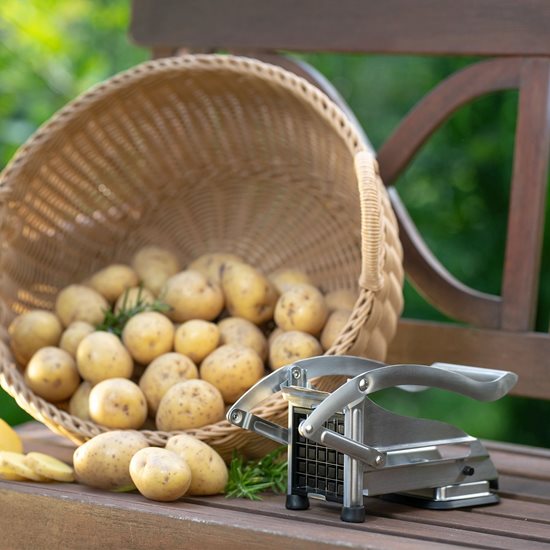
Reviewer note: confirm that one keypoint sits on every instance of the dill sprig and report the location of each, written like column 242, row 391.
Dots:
column 247, row 479
column 116, row 321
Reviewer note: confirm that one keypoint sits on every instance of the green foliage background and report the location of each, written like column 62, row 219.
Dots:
column 457, row 187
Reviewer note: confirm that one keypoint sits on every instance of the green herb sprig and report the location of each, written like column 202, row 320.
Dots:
column 115, row 322
column 247, row 479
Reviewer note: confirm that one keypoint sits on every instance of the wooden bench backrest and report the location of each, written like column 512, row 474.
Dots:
column 498, row 331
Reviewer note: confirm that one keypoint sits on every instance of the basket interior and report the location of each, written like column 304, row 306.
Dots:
column 191, row 159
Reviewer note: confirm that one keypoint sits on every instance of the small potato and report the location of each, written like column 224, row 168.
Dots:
column 148, row 335
column 343, row 298
column 276, row 331
column 208, row 470
column 113, row 280
column 52, row 374
column 73, row 335
column 31, row 331
column 248, row 293
column 292, row 346
column 79, row 405
column 302, row 308
column 101, row 355
column 131, row 297
column 80, row 303
column 190, row 404
column 118, row 403
column 285, row 277
column 9, row 438
column 163, row 373
column 154, row 266
column 234, row 330
column 233, row 370
column 212, row 265
column 334, row 325
column 191, row 296
column 104, row 460
column 196, row 339
column 159, row 474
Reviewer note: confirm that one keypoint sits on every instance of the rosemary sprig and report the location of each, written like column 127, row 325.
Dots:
column 116, row 321
column 249, row 479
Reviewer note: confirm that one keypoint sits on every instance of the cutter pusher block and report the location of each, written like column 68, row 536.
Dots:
column 343, row 447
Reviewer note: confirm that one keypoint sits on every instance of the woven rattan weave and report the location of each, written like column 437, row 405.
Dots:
column 198, row 153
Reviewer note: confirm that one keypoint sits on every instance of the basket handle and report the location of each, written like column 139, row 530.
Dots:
column 366, row 168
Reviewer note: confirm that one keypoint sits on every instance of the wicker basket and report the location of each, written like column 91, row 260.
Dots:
column 200, row 154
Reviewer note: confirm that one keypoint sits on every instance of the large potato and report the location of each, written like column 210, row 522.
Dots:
column 248, row 293
column 190, row 404
column 233, row 370
column 163, row 373
column 154, row 265
column 73, row 335
column 80, row 303
column 159, row 474
column 104, row 460
column 191, row 296
column 240, row 332
column 333, row 327
column 131, row 297
column 292, row 346
column 101, row 355
column 118, row 403
column 113, row 280
column 301, row 307
column 79, row 405
column 148, row 335
column 208, row 470
column 196, row 339
column 286, row 277
column 31, row 331
column 212, row 265
column 52, row 374
column 342, row 298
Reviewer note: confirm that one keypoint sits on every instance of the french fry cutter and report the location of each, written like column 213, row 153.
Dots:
column 342, row 446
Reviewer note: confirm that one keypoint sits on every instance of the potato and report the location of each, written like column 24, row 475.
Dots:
column 52, row 374
column 79, row 404
column 148, row 335
column 234, row 330
column 212, row 265
column 276, row 331
column 286, row 277
column 9, row 438
column 190, row 404
column 31, row 331
column 80, row 303
column 248, row 293
column 334, row 325
column 104, row 460
column 118, row 403
column 160, row 474
column 163, row 373
column 302, row 308
column 208, row 470
column 113, row 280
column 131, row 297
column 191, row 296
column 154, row 266
column 196, row 339
column 13, row 466
column 101, row 355
column 340, row 299
column 233, row 370
column 292, row 346
column 73, row 335
column 49, row 467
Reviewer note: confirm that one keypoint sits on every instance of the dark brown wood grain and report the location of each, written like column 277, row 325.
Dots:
column 484, row 27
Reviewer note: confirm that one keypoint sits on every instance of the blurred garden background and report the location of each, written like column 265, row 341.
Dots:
column 456, row 189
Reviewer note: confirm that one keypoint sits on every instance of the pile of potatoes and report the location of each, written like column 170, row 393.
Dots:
column 222, row 326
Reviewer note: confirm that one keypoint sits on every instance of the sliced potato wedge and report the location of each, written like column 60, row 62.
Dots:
column 16, row 462
column 8, row 473
column 49, row 467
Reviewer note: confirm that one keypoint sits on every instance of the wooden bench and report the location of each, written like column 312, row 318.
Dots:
column 494, row 331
